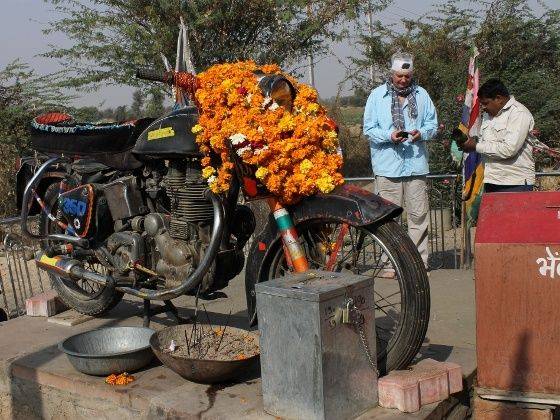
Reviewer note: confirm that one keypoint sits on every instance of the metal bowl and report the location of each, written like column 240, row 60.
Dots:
column 109, row 350
column 198, row 370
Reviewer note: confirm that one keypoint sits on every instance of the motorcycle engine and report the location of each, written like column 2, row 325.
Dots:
column 174, row 244
column 185, row 190
column 179, row 239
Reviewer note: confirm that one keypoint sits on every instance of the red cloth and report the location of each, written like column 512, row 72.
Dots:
column 52, row 118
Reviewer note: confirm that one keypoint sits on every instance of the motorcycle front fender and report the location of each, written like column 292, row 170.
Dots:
column 348, row 204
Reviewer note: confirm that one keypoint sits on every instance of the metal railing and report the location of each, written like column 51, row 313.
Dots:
column 20, row 278
column 445, row 224
column 443, row 218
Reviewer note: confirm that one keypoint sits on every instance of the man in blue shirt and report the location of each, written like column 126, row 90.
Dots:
column 398, row 120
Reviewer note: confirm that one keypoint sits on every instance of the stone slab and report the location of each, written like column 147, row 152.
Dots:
column 499, row 410
column 69, row 318
column 37, row 381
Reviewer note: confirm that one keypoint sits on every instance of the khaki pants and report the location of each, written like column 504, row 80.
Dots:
column 412, row 194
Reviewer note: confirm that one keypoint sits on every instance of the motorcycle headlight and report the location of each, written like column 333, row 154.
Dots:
column 279, row 89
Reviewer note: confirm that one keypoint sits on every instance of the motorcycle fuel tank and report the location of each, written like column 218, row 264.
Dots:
column 169, row 137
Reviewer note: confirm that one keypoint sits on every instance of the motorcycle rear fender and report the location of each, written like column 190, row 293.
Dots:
column 348, row 204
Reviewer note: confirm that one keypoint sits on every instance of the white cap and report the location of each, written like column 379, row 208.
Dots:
column 402, row 62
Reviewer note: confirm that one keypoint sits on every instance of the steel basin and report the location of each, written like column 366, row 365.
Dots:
column 109, row 350
column 198, row 370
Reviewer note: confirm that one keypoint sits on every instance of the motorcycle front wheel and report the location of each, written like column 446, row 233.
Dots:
column 387, row 255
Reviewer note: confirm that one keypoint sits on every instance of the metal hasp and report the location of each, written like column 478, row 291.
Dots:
column 313, row 365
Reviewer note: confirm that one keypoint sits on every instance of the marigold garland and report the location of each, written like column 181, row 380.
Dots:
column 122, row 379
column 295, row 153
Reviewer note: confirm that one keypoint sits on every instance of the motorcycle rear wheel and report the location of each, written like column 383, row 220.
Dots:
column 85, row 297
column 402, row 303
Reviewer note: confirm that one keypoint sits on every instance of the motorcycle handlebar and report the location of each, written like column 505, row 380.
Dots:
column 155, row 75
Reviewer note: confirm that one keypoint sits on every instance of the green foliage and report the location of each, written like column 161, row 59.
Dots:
column 137, row 106
column 515, row 44
column 154, row 107
column 23, row 95
column 111, row 38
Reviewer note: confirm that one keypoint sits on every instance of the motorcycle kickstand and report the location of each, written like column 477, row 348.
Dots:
column 168, row 307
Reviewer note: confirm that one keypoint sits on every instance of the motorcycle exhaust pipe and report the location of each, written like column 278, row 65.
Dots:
column 69, row 268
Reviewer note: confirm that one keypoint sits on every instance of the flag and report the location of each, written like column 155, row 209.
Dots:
column 473, row 168
column 183, row 62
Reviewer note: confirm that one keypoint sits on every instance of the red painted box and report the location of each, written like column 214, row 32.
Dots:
column 517, row 277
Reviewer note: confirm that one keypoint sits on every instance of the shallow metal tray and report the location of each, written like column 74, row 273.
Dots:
column 109, row 350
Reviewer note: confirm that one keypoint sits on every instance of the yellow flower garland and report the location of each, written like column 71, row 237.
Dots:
column 295, row 153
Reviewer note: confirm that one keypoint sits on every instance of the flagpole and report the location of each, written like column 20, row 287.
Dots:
column 472, row 175
column 463, row 217
column 311, row 64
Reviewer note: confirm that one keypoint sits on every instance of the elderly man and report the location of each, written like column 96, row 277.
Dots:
column 398, row 120
column 507, row 154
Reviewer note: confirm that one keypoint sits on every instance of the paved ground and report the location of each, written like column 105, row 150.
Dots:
column 36, row 380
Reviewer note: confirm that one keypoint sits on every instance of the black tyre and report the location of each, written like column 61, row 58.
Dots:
column 402, row 302
column 85, row 297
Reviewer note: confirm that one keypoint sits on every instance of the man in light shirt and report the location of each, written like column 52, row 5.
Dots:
column 398, row 120
column 509, row 165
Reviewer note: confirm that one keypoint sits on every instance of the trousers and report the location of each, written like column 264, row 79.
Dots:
column 411, row 193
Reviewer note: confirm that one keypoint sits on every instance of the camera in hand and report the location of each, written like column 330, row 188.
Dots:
column 459, row 137
column 402, row 134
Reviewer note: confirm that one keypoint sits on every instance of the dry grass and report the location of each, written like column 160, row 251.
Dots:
column 8, row 156
column 548, row 183
column 355, row 149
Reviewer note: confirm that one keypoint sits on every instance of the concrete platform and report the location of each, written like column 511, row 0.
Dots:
column 37, row 381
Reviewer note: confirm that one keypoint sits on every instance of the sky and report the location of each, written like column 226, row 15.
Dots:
column 21, row 22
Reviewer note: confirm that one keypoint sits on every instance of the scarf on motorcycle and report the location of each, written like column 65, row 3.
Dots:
column 396, row 107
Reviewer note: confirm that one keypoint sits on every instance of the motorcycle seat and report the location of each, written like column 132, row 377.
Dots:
column 107, row 143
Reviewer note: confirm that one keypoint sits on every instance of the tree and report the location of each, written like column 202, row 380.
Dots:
column 121, row 113
column 111, row 38
column 23, row 95
column 86, row 113
column 515, row 44
column 155, row 107
column 137, row 107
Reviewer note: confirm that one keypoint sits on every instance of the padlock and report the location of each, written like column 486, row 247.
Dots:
column 346, row 311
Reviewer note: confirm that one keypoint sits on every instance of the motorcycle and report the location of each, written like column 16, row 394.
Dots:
column 130, row 213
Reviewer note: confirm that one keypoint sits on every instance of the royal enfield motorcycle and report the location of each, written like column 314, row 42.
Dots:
column 124, row 209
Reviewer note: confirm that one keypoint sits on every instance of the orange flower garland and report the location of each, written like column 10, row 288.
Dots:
column 295, row 153
column 122, row 379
